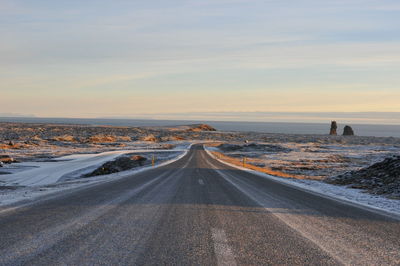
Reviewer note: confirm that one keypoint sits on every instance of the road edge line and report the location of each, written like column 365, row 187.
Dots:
column 374, row 209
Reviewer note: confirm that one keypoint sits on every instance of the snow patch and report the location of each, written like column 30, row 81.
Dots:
column 79, row 161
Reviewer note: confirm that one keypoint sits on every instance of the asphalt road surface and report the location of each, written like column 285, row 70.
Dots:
column 196, row 211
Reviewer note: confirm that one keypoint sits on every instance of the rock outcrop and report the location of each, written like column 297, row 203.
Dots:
column 333, row 128
column 201, row 127
column 348, row 131
column 379, row 178
column 120, row 164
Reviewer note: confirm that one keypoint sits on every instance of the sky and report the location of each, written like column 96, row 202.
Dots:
column 99, row 58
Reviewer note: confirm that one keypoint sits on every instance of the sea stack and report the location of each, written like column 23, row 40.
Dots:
column 348, row 131
column 333, row 128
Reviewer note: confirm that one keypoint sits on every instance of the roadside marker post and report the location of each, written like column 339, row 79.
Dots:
column 153, row 160
column 244, row 161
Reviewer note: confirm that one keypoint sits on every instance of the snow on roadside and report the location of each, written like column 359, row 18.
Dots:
column 333, row 191
column 74, row 163
column 45, row 173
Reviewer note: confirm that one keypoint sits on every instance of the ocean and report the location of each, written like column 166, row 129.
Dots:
column 268, row 127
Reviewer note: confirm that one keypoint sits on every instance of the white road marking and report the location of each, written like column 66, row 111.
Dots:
column 221, row 248
column 201, row 182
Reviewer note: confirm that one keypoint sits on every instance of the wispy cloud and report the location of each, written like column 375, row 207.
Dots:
column 201, row 49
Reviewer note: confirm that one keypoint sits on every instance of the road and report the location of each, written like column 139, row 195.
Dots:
column 196, row 211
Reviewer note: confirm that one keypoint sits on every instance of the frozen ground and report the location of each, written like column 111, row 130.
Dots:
column 37, row 145
column 337, row 192
column 32, row 179
column 47, row 151
column 313, row 159
column 45, row 173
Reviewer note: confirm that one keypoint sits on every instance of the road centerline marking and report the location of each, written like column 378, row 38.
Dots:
column 221, row 248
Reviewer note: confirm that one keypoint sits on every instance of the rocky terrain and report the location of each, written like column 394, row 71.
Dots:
column 120, row 164
column 312, row 160
column 27, row 142
column 130, row 161
column 316, row 157
column 379, row 178
column 338, row 160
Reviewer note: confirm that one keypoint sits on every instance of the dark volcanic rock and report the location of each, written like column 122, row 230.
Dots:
column 201, row 127
column 379, row 178
column 348, row 131
column 118, row 165
column 333, row 128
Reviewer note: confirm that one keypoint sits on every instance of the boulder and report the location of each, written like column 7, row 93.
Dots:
column 120, row 164
column 348, row 131
column 380, row 178
column 333, row 128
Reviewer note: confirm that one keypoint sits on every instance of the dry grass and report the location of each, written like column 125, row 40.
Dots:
column 66, row 138
column 15, row 146
column 6, row 159
column 168, row 146
column 213, row 144
column 150, row 138
column 36, row 138
column 108, row 139
column 175, row 138
column 124, row 138
column 102, row 139
column 266, row 170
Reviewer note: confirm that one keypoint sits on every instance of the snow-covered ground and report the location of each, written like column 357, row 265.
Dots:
column 32, row 179
column 333, row 191
column 45, row 173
